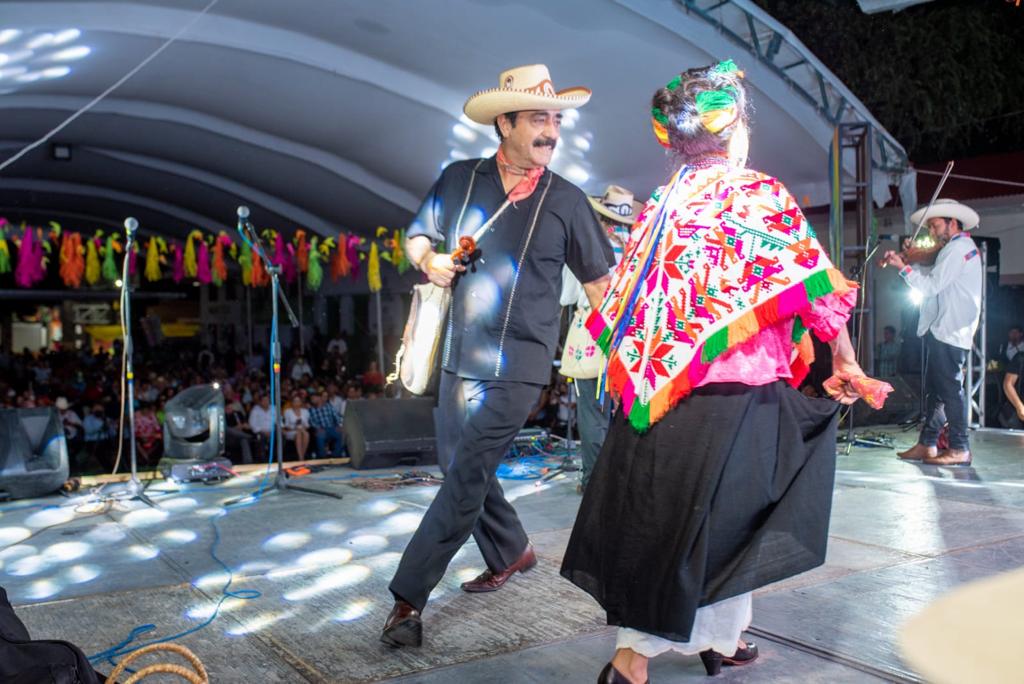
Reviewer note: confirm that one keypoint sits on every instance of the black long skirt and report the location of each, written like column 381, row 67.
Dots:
column 729, row 492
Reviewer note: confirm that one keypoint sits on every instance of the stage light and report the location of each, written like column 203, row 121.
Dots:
column 179, row 536
column 12, row 535
column 582, row 143
column 916, row 297
column 65, row 551
column 331, row 527
column 464, row 133
column 258, row 623
column 143, row 551
column 118, row 283
column 345, row 577
column 65, row 36
column 43, row 589
column 577, row 174
column 369, row 542
column 29, row 565
column 42, row 40
column 286, row 540
column 382, row 506
column 71, row 54
column 354, row 611
column 216, row 385
column 80, row 574
column 329, row 556
column 56, row 72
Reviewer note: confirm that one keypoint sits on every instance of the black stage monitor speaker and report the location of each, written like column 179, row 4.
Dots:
column 33, row 453
column 383, row 433
column 903, row 404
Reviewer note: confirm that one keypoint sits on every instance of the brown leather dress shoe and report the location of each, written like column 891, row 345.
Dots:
column 950, row 457
column 918, row 452
column 488, row 580
column 403, row 627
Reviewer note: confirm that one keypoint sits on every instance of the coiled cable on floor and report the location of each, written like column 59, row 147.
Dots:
column 197, row 675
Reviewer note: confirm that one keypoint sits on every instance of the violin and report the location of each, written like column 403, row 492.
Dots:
column 912, row 253
column 466, row 251
column 917, row 254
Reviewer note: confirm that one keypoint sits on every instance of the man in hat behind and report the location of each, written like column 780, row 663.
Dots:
column 582, row 359
column 502, row 327
column 950, row 309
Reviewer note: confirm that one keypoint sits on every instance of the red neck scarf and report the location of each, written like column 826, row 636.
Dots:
column 527, row 185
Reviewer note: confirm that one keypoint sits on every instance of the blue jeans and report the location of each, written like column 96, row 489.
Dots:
column 332, row 434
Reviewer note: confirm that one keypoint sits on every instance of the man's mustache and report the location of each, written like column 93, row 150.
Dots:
column 545, row 142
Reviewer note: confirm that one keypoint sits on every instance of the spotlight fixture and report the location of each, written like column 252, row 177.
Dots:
column 60, row 152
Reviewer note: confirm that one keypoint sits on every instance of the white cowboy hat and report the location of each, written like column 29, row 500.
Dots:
column 948, row 208
column 62, row 404
column 617, row 204
column 523, row 89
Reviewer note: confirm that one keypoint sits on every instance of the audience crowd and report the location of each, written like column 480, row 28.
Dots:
column 85, row 387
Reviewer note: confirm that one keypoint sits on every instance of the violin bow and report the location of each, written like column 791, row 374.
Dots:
column 935, row 196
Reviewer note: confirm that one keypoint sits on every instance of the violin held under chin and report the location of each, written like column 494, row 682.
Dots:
column 912, row 254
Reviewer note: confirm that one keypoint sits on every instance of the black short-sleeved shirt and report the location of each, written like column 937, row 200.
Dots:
column 1016, row 365
column 505, row 310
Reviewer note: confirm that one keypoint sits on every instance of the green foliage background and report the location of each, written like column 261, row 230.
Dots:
column 946, row 78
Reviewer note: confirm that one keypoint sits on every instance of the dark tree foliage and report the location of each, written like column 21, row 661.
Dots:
column 946, row 78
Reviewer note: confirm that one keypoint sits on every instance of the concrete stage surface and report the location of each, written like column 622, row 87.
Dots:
column 901, row 535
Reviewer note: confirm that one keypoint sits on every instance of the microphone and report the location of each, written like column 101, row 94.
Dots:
column 243, row 213
column 131, row 225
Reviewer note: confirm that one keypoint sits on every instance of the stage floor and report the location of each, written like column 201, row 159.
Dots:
column 901, row 535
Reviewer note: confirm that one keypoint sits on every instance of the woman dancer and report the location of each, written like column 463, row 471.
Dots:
column 716, row 475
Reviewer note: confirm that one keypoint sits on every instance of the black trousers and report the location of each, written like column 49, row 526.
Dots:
column 944, row 391
column 476, row 421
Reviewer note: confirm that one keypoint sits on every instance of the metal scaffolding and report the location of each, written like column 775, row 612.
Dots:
column 977, row 358
column 852, row 250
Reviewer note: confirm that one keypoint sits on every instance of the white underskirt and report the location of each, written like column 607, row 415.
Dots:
column 717, row 627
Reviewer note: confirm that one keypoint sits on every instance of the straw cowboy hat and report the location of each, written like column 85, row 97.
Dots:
column 948, row 208
column 522, row 89
column 617, row 204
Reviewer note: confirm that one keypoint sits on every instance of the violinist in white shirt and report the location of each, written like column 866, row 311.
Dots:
column 950, row 308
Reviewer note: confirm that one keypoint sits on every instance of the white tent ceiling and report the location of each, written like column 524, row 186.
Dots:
column 338, row 114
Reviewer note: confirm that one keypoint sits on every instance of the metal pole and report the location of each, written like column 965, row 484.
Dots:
column 380, row 334
column 302, row 345
column 134, row 487
column 248, row 317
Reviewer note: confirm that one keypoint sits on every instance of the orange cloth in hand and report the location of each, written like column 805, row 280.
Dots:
column 874, row 392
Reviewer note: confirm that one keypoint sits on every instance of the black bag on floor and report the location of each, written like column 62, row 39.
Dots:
column 24, row 661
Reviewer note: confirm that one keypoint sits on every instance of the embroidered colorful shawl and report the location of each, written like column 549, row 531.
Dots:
column 716, row 256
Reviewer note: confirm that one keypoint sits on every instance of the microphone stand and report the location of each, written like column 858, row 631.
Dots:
column 135, row 489
column 281, row 482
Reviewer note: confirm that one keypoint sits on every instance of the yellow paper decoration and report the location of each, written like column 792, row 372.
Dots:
column 373, row 269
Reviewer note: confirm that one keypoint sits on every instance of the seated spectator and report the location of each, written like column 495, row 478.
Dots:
column 73, row 431
column 148, row 434
column 336, row 399
column 373, row 379
column 98, row 436
column 296, row 426
column 299, row 368
column 1011, row 415
column 338, row 345
column 888, row 353
column 238, row 435
column 327, row 422
column 261, row 418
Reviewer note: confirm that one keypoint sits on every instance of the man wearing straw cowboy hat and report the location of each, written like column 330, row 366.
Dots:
column 502, row 327
column 582, row 360
column 950, row 309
